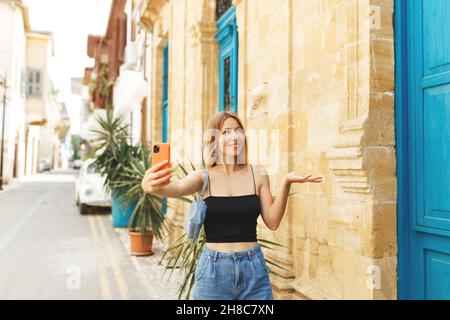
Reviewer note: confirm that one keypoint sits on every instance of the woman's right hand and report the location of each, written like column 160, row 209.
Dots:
column 154, row 178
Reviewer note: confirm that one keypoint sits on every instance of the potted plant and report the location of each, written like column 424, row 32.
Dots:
column 185, row 252
column 112, row 154
column 122, row 208
column 147, row 219
column 100, row 87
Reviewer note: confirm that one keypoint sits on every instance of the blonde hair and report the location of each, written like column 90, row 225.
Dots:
column 215, row 125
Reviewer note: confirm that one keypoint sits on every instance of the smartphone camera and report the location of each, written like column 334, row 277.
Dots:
column 156, row 148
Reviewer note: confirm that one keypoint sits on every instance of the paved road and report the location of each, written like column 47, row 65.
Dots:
column 49, row 251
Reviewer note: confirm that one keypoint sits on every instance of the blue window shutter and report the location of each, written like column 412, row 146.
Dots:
column 227, row 37
column 165, row 106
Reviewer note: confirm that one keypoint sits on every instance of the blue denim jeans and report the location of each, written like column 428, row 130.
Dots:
column 239, row 275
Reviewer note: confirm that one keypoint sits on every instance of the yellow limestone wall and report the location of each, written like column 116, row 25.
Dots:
column 316, row 81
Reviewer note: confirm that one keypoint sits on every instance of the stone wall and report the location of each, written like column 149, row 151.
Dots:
column 316, row 81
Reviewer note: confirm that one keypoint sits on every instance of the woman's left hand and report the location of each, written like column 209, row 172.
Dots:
column 293, row 177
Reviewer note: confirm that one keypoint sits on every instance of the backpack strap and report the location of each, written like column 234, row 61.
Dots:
column 204, row 184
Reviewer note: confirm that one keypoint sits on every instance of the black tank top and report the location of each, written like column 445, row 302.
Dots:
column 231, row 218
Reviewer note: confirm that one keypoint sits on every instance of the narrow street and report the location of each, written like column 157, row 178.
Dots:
column 49, row 251
column 333, row 116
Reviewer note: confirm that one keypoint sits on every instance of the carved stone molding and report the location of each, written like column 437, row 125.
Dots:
column 282, row 283
column 258, row 100
column 150, row 11
column 202, row 32
column 346, row 158
column 236, row 2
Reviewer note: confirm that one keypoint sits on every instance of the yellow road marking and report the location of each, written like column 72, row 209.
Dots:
column 104, row 285
column 118, row 275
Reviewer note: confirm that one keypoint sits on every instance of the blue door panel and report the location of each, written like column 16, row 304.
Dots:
column 165, row 103
column 435, row 210
column 437, row 268
column 165, row 107
column 423, row 147
column 227, row 37
column 435, row 25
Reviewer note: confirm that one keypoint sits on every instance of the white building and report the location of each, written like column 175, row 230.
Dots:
column 32, row 110
column 131, row 93
column 14, row 20
column 43, row 113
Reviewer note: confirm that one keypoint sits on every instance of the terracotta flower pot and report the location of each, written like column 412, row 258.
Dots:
column 141, row 246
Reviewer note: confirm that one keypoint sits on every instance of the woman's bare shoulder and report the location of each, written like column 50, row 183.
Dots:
column 199, row 175
column 261, row 176
column 259, row 170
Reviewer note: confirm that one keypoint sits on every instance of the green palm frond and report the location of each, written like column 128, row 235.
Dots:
column 110, row 150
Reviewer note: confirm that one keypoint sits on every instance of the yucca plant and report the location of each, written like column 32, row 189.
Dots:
column 184, row 254
column 111, row 130
column 112, row 155
column 111, row 151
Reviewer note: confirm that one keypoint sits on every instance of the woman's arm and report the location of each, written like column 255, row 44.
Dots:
column 153, row 182
column 272, row 211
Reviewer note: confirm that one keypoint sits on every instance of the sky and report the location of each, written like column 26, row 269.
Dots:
column 71, row 21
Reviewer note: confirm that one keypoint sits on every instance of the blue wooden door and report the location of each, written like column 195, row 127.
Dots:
column 165, row 106
column 227, row 37
column 423, row 133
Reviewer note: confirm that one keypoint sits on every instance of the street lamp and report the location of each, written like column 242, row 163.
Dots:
column 3, row 83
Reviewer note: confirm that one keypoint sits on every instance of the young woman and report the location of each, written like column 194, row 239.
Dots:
column 231, row 264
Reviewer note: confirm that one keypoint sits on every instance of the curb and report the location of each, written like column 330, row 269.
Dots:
column 158, row 285
column 11, row 186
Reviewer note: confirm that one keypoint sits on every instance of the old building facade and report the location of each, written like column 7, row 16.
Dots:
column 314, row 82
column 31, row 108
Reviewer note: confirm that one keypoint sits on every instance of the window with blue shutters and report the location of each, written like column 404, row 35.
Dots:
column 165, row 102
column 227, row 37
column 165, row 106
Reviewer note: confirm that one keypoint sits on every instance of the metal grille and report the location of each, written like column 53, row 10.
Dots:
column 222, row 6
column 227, row 78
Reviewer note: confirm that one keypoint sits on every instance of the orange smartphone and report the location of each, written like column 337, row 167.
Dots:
column 161, row 152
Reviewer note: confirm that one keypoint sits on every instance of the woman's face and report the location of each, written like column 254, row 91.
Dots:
column 231, row 139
